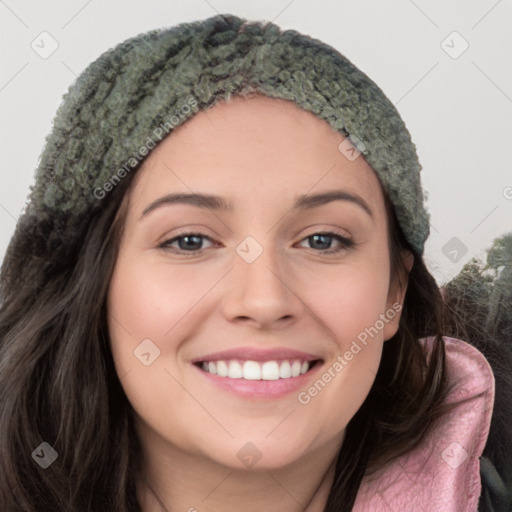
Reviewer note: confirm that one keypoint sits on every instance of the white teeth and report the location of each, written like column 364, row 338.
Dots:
column 295, row 368
column 222, row 369
column 253, row 370
column 285, row 370
column 235, row 370
column 270, row 371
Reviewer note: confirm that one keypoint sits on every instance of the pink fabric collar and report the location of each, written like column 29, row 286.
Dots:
column 443, row 473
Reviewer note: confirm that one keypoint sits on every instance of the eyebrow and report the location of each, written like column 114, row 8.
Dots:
column 303, row 202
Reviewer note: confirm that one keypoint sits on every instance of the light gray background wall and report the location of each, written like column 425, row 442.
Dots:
column 446, row 65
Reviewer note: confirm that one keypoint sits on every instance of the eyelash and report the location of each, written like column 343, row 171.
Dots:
column 345, row 242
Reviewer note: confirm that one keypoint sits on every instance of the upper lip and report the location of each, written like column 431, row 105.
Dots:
column 257, row 354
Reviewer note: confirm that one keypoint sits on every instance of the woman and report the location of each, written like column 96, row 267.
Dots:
column 216, row 297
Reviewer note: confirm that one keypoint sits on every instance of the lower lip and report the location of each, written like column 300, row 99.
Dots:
column 261, row 388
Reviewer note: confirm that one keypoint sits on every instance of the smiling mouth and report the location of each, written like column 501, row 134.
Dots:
column 258, row 370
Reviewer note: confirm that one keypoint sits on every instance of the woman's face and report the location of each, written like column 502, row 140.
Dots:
column 251, row 292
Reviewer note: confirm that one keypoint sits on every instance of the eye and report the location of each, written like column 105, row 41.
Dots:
column 323, row 241
column 192, row 243
column 187, row 242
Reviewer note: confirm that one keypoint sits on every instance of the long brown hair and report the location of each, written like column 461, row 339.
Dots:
column 58, row 383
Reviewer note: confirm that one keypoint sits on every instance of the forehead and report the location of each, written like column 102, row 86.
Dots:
column 255, row 148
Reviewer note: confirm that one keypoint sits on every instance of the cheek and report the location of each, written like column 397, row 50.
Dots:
column 150, row 300
column 350, row 299
column 349, row 305
column 154, row 301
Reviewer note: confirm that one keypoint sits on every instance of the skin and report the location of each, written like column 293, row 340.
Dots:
column 260, row 154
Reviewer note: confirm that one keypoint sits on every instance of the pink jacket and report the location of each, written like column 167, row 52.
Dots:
column 443, row 473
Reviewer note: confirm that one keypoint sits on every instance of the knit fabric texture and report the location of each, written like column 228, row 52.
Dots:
column 442, row 473
column 135, row 94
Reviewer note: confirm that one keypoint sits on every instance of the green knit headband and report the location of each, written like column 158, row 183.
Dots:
column 133, row 95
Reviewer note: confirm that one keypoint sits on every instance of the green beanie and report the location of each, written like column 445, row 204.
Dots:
column 133, row 95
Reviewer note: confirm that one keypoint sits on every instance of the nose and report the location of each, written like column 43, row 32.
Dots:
column 262, row 293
